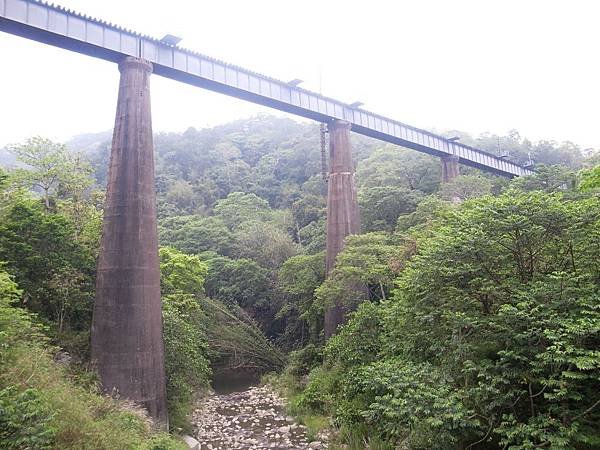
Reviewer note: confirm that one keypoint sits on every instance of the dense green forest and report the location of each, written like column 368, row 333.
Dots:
column 478, row 326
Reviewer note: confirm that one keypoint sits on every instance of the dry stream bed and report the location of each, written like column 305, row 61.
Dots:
column 249, row 417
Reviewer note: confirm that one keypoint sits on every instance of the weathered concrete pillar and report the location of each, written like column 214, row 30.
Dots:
column 342, row 207
column 449, row 168
column 127, row 340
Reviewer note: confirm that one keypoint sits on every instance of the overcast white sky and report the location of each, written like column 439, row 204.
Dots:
column 473, row 65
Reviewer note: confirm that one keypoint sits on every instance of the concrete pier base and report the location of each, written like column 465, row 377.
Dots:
column 127, row 341
column 342, row 208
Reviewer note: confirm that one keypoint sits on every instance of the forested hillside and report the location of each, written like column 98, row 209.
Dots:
column 477, row 322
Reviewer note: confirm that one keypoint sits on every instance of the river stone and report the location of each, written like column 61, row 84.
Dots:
column 192, row 443
column 250, row 419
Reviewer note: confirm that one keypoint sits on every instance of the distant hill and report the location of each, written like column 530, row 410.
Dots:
column 89, row 142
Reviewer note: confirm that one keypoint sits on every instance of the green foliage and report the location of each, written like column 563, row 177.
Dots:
column 187, row 365
column 590, row 179
column 359, row 342
column 365, row 268
column 51, row 249
column 298, row 279
column 308, row 209
column 239, row 207
column 181, row 273
column 547, row 179
column 186, row 356
column 238, row 281
column 265, row 243
column 491, row 337
column 430, row 209
column 302, row 361
column 465, row 187
column 53, row 269
column 41, row 407
column 380, row 206
column 51, row 169
column 25, row 420
column 401, row 168
column 312, row 237
column 400, row 401
column 196, row 234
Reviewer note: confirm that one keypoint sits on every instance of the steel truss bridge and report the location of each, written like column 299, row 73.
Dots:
column 126, row 334
column 60, row 27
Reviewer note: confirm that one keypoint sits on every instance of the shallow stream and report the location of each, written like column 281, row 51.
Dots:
column 243, row 415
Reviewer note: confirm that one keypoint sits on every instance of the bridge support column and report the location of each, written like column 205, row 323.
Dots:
column 449, row 168
column 342, row 208
column 127, row 340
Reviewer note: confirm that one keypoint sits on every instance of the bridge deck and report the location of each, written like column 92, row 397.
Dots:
column 67, row 29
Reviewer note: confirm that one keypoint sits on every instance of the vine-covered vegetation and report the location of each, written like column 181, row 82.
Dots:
column 476, row 326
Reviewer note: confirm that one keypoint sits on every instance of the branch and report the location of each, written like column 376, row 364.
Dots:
column 586, row 411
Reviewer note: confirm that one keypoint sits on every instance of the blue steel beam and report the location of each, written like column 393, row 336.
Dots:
column 67, row 29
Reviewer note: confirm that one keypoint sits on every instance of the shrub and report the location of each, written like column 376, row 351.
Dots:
column 300, row 362
column 186, row 356
column 41, row 406
column 490, row 339
column 25, row 420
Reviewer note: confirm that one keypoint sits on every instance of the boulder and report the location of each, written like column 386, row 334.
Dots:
column 192, row 443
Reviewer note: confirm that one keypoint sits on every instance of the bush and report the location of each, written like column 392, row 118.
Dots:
column 403, row 402
column 25, row 420
column 186, row 356
column 300, row 362
column 41, row 406
column 490, row 339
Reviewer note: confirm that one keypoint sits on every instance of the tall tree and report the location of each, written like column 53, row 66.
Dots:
column 50, row 168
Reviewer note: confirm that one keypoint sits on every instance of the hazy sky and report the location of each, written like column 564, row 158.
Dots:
column 473, row 65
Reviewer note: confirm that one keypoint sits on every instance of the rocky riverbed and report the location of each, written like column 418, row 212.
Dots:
column 250, row 419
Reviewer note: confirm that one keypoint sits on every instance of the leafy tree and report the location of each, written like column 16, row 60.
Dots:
column 590, row 179
column 186, row 355
column 186, row 346
column 313, row 237
column 196, row 234
column 430, row 209
column 265, row 243
column 399, row 167
column 298, row 278
column 180, row 272
column 505, row 311
column 308, row 209
column 25, row 420
column 54, row 270
column 239, row 207
column 465, row 187
column 369, row 260
column 238, row 281
column 490, row 339
column 381, row 206
column 50, row 168
column 181, row 194
column 547, row 179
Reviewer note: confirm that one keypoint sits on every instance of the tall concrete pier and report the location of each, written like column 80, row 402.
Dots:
column 127, row 341
column 449, row 168
column 342, row 207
